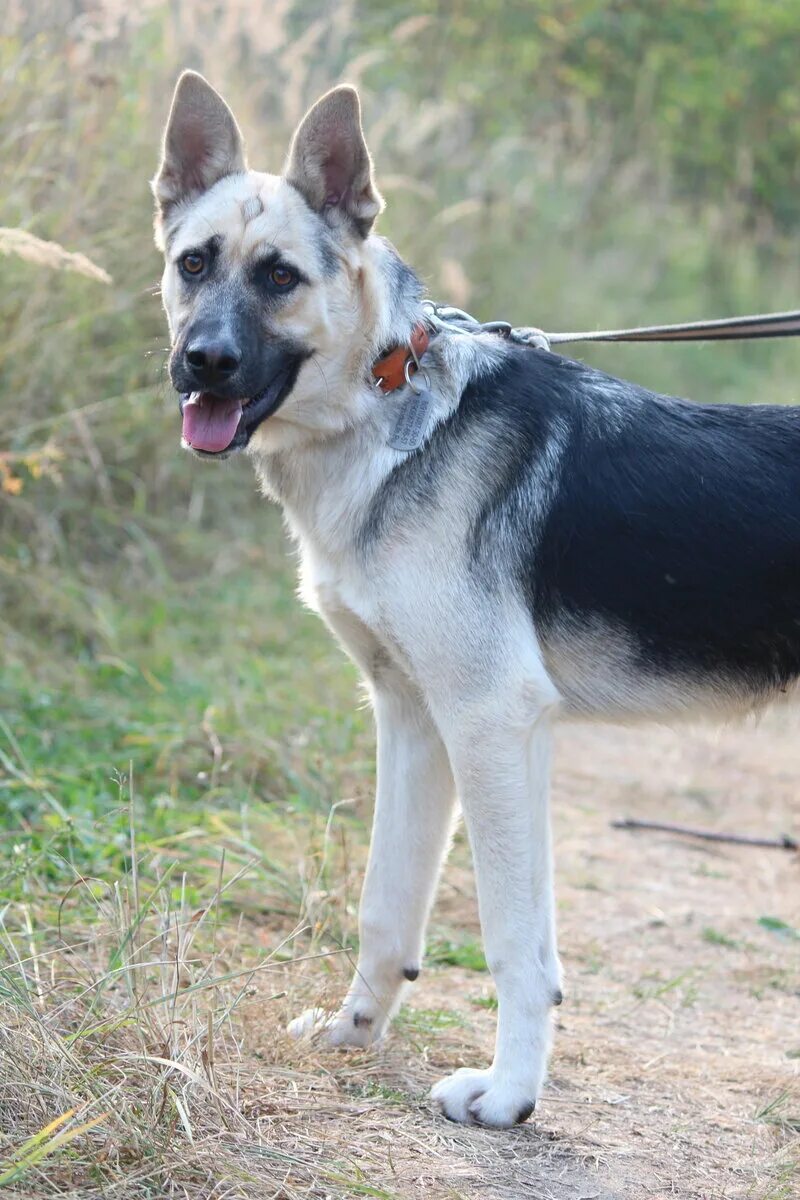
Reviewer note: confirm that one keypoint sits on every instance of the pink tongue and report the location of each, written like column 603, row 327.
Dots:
column 210, row 424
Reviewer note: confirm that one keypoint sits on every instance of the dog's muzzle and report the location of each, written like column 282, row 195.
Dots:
column 218, row 425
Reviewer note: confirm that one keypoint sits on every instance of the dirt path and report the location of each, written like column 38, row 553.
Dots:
column 677, row 1053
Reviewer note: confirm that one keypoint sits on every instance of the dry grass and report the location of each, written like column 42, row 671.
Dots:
column 145, row 1055
column 36, row 250
column 123, row 1072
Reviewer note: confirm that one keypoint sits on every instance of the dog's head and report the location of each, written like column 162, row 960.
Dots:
column 270, row 281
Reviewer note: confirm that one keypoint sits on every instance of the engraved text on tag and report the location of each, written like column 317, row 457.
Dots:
column 412, row 421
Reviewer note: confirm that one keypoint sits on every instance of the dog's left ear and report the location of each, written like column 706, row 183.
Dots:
column 329, row 162
column 202, row 143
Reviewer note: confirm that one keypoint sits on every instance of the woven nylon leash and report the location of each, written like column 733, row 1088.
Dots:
column 761, row 325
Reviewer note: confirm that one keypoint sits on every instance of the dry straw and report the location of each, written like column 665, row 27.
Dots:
column 49, row 254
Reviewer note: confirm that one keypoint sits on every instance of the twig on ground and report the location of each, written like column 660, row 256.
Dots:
column 784, row 842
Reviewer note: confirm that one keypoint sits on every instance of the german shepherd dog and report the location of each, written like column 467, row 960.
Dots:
column 552, row 541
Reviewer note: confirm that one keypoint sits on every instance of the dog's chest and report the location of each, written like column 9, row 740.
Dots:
column 328, row 587
column 347, row 600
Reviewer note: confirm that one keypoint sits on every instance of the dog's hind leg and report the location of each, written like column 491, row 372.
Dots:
column 413, row 817
column 502, row 775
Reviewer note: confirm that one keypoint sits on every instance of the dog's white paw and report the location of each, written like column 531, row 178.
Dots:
column 480, row 1098
column 356, row 1026
column 310, row 1023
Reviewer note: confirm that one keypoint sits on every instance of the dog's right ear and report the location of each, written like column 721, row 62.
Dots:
column 202, row 143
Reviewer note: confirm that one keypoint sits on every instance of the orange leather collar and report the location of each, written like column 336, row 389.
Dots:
column 390, row 371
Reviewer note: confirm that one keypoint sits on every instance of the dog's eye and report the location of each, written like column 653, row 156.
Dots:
column 282, row 277
column 193, row 263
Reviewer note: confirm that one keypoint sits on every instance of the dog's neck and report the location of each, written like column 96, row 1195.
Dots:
column 392, row 298
column 326, row 485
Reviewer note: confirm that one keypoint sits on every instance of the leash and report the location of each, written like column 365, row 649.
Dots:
column 760, row 325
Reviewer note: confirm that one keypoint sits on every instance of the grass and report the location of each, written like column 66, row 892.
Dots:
column 205, row 697
column 715, row 938
column 467, row 954
column 131, row 1027
column 777, row 1112
column 166, row 798
column 428, row 1020
column 489, row 1002
column 659, row 988
column 781, row 927
column 164, row 825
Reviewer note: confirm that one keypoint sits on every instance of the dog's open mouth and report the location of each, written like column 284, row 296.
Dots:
column 215, row 424
column 210, row 423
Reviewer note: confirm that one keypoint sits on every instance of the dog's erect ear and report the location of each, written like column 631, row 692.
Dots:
column 329, row 162
column 202, row 142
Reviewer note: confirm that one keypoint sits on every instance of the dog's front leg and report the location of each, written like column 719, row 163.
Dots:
column 502, row 780
column 413, row 816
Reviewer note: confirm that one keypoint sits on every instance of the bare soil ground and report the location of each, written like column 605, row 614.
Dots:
column 677, row 1051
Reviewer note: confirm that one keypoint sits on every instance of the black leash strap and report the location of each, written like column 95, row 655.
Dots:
column 762, row 325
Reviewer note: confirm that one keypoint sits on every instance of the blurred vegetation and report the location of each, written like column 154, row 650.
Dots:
column 700, row 96
column 565, row 163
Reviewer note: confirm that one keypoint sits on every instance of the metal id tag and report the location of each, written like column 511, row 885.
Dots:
column 412, row 420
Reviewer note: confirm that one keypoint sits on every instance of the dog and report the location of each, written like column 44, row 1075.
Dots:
column 497, row 535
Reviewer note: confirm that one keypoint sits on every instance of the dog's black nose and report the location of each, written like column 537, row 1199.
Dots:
column 212, row 362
